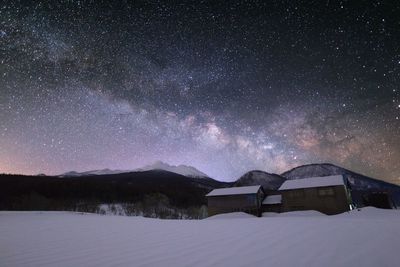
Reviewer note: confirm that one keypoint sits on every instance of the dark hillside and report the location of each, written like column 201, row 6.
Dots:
column 79, row 193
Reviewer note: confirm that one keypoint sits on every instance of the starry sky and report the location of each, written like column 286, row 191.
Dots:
column 224, row 86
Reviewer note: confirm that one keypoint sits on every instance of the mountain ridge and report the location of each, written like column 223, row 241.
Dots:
column 181, row 169
column 358, row 184
column 144, row 189
column 270, row 181
column 325, row 169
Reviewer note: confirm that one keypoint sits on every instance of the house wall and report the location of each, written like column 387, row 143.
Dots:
column 329, row 200
column 249, row 203
column 277, row 208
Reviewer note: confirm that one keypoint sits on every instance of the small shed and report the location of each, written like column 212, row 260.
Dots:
column 328, row 194
column 272, row 203
column 244, row 198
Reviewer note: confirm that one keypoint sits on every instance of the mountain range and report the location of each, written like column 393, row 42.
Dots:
column 184, row 170
column 358, row 183
column 269, row 181
column 181, row 188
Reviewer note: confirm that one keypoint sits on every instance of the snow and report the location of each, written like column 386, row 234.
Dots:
column 367, row 238
column 232, row 215
column 313, row 170
column 158, row 165
column 240, row 190
column 273, row 199
column 112, row 209
column 303, row 213
column 180, row 169
column 93, row 172
column 313, row 182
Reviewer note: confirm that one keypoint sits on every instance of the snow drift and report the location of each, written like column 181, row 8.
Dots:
column 365, row 238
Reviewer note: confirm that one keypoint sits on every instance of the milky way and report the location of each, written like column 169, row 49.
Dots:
column 224, row 87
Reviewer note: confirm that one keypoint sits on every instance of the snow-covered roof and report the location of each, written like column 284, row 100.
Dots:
column 274, row 199
column 313, row 182
column 241, row 190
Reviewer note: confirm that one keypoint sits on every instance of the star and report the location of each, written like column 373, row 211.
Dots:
column 227, row 87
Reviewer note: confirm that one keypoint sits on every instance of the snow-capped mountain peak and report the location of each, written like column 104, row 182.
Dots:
column 158, row 165
column 180, row 169
column 93, row 172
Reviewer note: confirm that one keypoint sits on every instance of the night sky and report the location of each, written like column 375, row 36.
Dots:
column 224, row 86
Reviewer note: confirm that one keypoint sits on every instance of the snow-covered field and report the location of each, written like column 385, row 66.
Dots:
column 370, row 237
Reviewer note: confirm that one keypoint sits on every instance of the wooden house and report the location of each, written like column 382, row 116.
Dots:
column 245, row 198
column 272, row 203
column 327, row 194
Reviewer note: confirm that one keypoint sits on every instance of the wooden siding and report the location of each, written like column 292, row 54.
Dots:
column 277, row 208
column 329, row 200
column 250, row 203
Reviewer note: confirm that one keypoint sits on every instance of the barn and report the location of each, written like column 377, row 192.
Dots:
column 327, row 194
column 245, row 198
